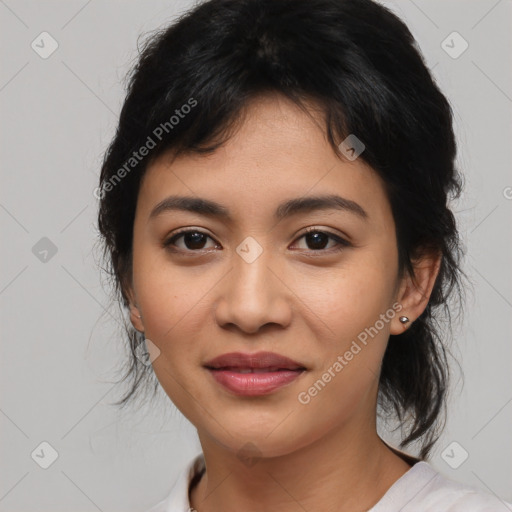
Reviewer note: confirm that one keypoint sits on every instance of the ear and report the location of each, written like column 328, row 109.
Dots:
column 414, row 291
column 135, row 314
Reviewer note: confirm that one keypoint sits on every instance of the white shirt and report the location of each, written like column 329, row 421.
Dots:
column 420, row 489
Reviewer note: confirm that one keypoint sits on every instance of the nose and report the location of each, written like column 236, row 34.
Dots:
column 253, row 295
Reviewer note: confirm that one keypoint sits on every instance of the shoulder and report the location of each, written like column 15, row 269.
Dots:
column 455, row 497
column 424, row 489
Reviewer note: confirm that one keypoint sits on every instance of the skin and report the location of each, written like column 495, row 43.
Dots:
column 304, row 302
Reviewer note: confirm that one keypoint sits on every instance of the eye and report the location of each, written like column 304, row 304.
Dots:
column 316, row 240
column 193, row 240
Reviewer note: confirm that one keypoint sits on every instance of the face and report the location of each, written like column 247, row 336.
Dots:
column 307, row 283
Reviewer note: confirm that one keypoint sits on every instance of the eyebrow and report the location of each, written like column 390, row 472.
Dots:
column 286, row 209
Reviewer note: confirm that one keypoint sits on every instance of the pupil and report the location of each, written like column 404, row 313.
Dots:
column 316, row 238
column 193, row 240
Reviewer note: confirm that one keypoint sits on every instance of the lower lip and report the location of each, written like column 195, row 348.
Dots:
column 254, row 384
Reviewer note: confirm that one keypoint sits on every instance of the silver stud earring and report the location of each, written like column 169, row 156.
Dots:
column 403, row 319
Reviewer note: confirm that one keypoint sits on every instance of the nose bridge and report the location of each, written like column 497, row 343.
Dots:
column 252, row 296
column 252, row 279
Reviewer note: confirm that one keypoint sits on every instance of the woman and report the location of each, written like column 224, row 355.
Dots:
column 275, row 213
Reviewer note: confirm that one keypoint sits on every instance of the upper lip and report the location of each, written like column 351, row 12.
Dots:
column 256, row 360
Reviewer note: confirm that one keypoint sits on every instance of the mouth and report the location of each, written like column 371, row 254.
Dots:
column 270, row 369
column 266, row 361
column 254, row 374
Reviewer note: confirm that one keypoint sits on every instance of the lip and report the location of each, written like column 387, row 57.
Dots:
column 254, row 374
column 256, row 360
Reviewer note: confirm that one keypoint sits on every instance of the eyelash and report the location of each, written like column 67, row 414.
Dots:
column 342, row 243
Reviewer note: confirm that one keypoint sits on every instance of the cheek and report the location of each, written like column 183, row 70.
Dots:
column 173, row 305
column 170, row 298
column 176, row 313
column 355, row 305
column 352, row 297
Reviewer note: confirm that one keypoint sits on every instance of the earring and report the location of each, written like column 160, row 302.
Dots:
column 403, row 319
column 135, row 306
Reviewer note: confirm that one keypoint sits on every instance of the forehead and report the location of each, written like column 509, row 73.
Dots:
column 277, row 152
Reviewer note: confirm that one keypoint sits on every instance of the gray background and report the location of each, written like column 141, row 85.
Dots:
column 60, row 345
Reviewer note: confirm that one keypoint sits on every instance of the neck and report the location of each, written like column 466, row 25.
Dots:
column 346, row 470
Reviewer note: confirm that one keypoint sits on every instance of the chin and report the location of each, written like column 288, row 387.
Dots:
column 256, row 439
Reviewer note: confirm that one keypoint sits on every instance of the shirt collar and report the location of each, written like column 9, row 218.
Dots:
column 178, row 498
column 417, row 477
